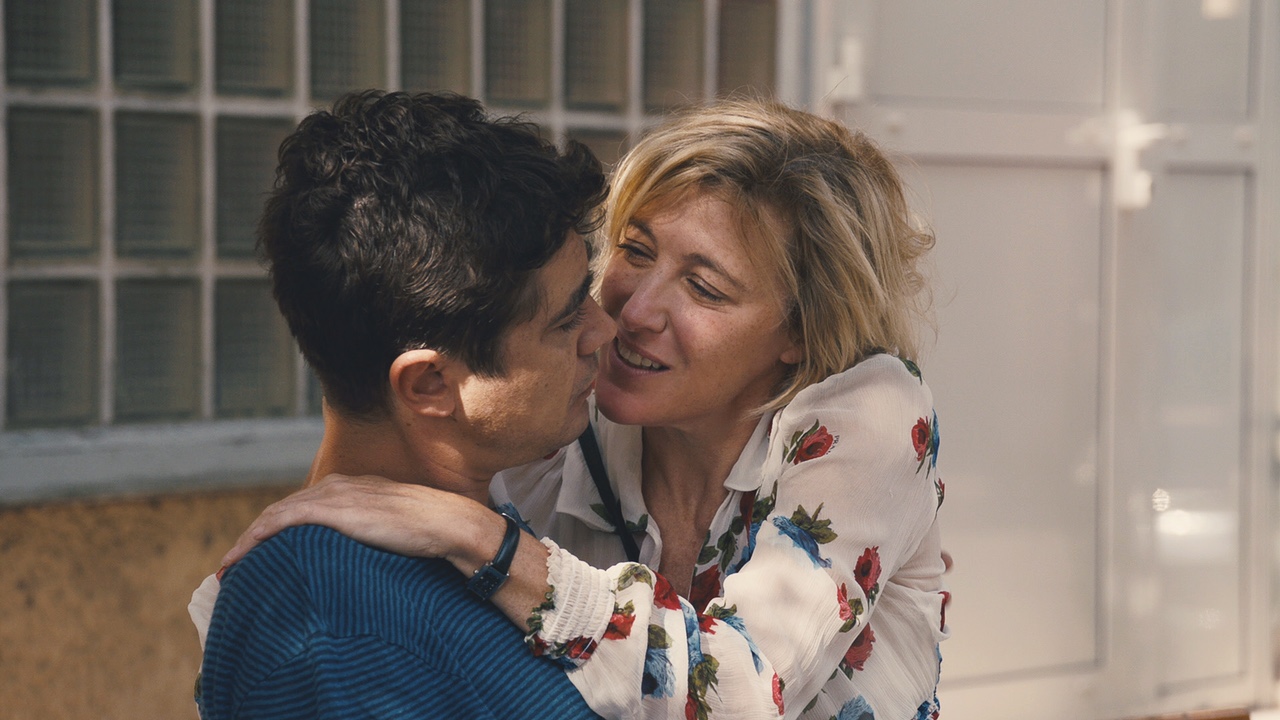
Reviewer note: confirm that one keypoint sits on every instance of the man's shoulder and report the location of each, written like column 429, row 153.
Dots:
column 327, row 570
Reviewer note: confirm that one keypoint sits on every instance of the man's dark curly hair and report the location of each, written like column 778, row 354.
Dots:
column 401, row 221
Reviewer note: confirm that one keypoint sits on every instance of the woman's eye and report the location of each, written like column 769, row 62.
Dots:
column 705, row 292
column 633, row 250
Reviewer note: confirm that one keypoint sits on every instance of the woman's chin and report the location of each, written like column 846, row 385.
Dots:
column 618, row 405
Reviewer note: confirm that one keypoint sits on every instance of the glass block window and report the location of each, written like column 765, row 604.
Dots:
column 608, row 146
column 748, row 49
column 673, row 53
column 435, row 45
column 253, row 46
column 52, row 354
column 50, row 41
column 595, row 45
column 246, row 157
column 517, row 52
column 155, row 43
column 348, row 47
column 157, row 185
column 254, row 352
column 130, row 292
column 157, row 350
column 53, row 184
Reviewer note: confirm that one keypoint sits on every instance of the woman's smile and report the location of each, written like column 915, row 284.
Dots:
column 633, row 358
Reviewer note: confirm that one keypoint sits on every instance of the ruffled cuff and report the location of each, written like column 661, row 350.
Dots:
column 568, row 626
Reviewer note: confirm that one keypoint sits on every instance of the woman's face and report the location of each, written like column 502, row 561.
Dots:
column 701, row 340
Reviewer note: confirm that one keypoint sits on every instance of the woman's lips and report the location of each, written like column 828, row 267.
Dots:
column 634, row 359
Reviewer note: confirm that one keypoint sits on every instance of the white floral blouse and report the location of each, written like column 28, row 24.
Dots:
column 818, row 593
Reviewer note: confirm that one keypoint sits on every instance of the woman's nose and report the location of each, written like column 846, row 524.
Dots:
column 645, row 309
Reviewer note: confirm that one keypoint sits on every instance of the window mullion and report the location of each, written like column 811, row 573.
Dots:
column 391, row 33
column 206, row 263
column 107, row 217
column 478, row 88
column 711, row 48
column 635, row 69
column 555, row 111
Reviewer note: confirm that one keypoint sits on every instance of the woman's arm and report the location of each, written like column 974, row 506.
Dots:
column 415, row 521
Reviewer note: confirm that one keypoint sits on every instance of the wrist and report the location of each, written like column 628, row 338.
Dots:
column 477, row 535
column 494, row 574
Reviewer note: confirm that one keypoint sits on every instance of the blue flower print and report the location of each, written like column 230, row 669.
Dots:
column 856, row 709
column 807, row 533
column 659, row 678
column 928, row 710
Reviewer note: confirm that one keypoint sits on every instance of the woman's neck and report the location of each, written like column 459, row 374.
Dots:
column 691, row 465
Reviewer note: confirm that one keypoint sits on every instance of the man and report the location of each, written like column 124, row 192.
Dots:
column 430, row 262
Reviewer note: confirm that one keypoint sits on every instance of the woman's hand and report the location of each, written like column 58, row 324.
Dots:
column 401, row 518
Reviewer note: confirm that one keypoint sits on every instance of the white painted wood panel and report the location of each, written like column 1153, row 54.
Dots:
column 1018, row 406
column 1105, row 373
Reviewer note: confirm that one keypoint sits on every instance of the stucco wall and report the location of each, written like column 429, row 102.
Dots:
column 93, row 598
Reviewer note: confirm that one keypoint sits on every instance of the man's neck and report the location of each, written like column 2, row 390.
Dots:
column 395, row 451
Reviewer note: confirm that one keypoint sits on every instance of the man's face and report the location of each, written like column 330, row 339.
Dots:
column 540, row 403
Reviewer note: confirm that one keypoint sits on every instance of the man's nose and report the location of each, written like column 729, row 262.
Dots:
column 600, row 328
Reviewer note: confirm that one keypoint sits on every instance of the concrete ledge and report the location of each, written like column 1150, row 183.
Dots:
column 50, row 465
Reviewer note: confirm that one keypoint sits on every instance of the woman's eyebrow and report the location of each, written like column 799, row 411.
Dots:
column 639, row 225
column 698, row 259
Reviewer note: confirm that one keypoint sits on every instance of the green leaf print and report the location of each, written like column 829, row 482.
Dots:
column 796, row 439
column 727, row 545
column 598, row 509
column 658, row 637
column 819, row 530
column 632, row 574
column 708, row 552
column 720, row 613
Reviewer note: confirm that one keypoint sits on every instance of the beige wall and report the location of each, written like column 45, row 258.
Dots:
column 93, row 602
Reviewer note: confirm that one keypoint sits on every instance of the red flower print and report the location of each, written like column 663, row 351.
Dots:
column 867, row 571
column 920, row 438
column 814, row 445
column 860, row 650
column 691, row 708
column 946, row 600
column 580, row 648
column 849, row 612
column 620, row 623
column 842, row 597
column 746, row 504
column 777, row 692
column 705, row 588
column 664, row 595
column 706, row 624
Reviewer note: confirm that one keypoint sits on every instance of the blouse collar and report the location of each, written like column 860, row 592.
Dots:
column 621, row 447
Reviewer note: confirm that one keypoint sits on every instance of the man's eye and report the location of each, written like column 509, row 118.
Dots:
column 575, row 322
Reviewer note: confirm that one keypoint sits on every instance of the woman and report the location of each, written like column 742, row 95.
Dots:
column 762, row 422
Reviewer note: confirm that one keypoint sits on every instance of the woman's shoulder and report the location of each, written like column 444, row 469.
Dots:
column 879, row 380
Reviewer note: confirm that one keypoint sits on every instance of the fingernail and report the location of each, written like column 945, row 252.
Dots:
column 222, row 571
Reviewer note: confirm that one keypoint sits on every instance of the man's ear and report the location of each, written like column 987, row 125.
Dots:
column 420, row 382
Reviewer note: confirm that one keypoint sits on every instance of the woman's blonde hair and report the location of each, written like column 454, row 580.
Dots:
column 817, row 203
